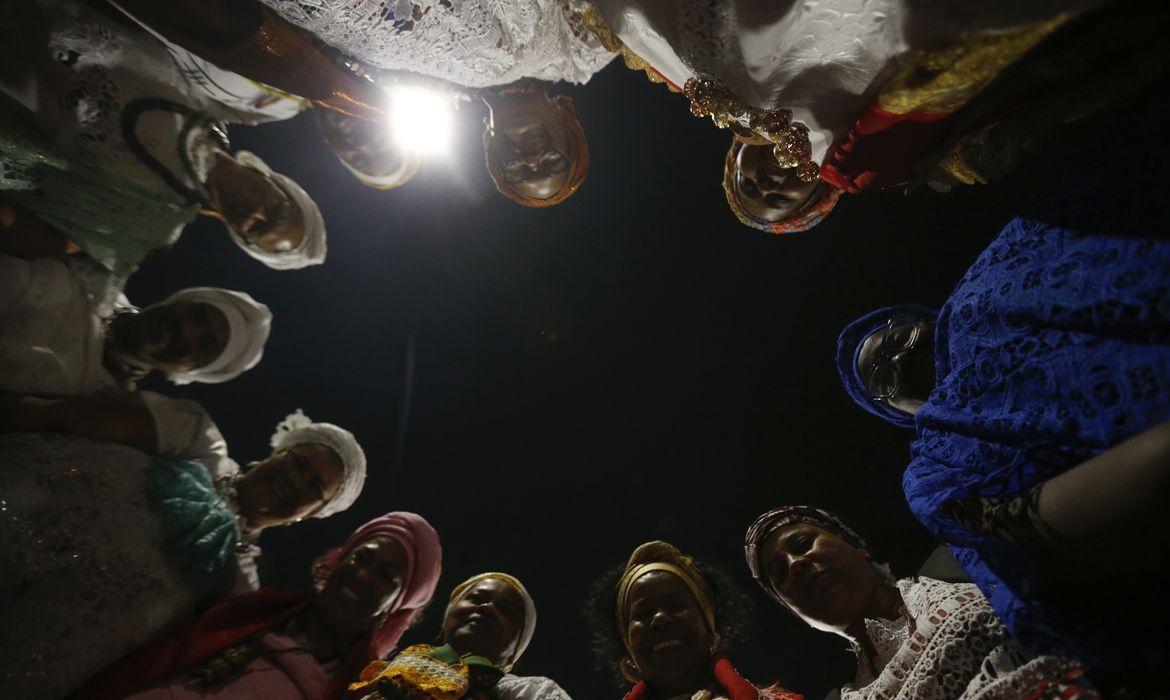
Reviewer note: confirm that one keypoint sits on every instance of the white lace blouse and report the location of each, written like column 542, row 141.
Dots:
column 473, row 43
column 957, row 649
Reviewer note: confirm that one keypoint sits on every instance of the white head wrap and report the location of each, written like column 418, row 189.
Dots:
column 249, row 323
column 297, row 429
column 529, row 626
column 406, row 170
column 311, row 251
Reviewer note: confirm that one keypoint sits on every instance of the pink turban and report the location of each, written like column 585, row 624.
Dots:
column 423, row 564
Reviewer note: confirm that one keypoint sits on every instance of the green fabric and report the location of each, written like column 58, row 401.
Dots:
column 115, row 220
column 199, row 530
column 481, row 672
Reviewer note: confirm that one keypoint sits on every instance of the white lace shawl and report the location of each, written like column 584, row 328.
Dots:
column 529, row 688
column 474, row 43
column 958, row 650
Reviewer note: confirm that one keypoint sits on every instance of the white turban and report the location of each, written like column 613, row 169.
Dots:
column 297, row 429
column 311, row 251
column 249, row 323
column 406, row 170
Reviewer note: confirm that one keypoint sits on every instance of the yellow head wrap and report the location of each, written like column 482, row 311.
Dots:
column 660, row 556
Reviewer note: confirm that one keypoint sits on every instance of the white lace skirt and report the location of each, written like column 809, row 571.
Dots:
column 84, row 579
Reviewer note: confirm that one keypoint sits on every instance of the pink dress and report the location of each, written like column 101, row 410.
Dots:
column 284, row 671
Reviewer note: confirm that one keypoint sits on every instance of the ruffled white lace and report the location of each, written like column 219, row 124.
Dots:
column 474, row 43
column 958, row 649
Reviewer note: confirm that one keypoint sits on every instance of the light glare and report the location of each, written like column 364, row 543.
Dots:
column 421, row 119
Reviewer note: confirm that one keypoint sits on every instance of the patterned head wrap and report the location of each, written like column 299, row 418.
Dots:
column 578, row 160
column 249, row 323
column 849, row 347
column 777, row 518
column 529, row 623
column 311, row 251
column 406, row 170
column 423, row 564
column 297, row 429
column 661, row 556
column 822, row 200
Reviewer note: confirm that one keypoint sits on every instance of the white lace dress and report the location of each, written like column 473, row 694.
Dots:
column 822, row 59
column 529, row 688
column 958, row 650
column 473, row 43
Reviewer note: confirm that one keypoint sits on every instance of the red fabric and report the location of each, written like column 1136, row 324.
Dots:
column 737, row 687
column 882, row 149
column 226, row 624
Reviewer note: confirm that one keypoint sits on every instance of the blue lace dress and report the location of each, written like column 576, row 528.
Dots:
column 1054, row 347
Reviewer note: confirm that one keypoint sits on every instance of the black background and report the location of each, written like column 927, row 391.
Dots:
column 633, row 364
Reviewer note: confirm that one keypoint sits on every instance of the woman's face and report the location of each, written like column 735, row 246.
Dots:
column 365, row 583
column 255, row 206
column 365, row 146
column 530, row 144
column 667, row 632
column 899, row 357
column 487, row 621
column 175, row 337
column 827, row 581
column 767, row 190
column 289, row 485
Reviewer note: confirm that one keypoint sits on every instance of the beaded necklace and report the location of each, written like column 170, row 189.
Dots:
column 194, row 123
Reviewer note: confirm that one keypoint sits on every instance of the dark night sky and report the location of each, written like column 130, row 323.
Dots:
column 632, row 364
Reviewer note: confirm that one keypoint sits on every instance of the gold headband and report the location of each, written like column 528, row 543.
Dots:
column 683, row 569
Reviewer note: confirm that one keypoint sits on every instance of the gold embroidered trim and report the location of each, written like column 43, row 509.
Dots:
column 942, row 80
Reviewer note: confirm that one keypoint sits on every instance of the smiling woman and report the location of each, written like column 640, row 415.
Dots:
column 664, row 620
column 488, row 624
column 295, row 644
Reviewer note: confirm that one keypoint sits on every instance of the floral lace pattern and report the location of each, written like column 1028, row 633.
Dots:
column 957, row 649
column 1054, row 347
column 473, row 43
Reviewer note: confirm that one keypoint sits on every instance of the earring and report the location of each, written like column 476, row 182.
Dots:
column 630, row 670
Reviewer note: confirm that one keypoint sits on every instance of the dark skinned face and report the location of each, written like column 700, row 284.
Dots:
column 174, row 337
column 366, row 146
column 668, row 635
column 767, row 190
column 827, row 581
column 255, row 206
column 289, row 485
column 487, row 621
column 364, row 584
column 914, row 366
column 530, row 144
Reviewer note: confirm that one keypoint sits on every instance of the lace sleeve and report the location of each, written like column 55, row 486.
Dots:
column 473, row 43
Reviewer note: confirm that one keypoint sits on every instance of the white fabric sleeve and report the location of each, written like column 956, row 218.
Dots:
column 247, row 577
column 530, row 688
column 184, row 430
